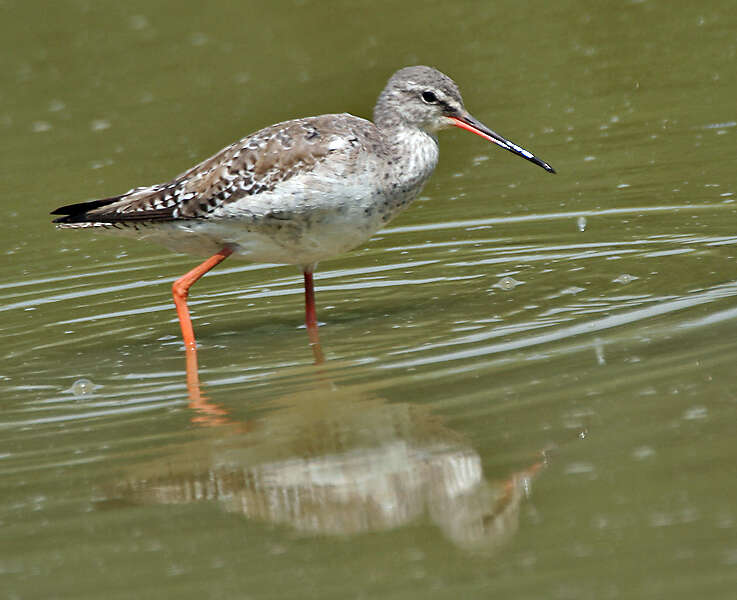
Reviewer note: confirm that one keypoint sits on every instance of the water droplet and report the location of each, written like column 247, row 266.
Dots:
column 40, row 126
column 100, row 124
column 83, row 387
column 507, row 283
column 643, row 452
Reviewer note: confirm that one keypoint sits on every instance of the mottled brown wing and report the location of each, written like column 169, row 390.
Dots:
column 252, row 165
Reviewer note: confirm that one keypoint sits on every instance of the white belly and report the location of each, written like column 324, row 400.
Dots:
column 301, row 223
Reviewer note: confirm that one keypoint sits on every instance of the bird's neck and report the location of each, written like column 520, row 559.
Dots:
column 414, row 152
column 413, row 156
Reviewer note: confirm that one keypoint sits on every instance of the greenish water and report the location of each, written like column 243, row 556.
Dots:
column 529, row 389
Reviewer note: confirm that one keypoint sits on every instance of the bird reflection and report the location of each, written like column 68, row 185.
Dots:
column 333, row 460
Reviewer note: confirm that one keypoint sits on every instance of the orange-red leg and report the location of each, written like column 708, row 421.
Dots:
column 310, row 312
column 180, row 291
column 311, row 318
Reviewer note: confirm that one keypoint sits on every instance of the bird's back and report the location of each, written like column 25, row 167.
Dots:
column 257, row 163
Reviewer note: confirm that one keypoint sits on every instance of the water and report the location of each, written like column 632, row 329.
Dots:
column 529, row 388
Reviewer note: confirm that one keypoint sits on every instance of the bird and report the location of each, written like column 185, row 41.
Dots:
column 298, row 192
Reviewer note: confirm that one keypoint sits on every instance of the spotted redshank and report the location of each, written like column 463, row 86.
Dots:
column 297, row 192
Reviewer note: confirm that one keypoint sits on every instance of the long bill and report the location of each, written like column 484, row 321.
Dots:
column 468, row 123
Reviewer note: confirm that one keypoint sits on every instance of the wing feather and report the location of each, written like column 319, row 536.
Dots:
column 254, row 164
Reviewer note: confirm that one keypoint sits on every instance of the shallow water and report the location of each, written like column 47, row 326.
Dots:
column 529, row 384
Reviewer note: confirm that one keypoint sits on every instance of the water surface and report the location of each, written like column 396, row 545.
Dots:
column 529, row 383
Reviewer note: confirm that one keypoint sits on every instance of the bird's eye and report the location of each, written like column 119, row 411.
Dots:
column 429, row 98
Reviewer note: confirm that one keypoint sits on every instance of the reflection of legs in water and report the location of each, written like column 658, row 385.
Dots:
column 516, row 485
column 485, row 514
column 206, row 413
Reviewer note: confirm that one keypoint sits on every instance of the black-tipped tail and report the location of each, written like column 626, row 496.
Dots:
column 79, row 212
column 112, row 210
